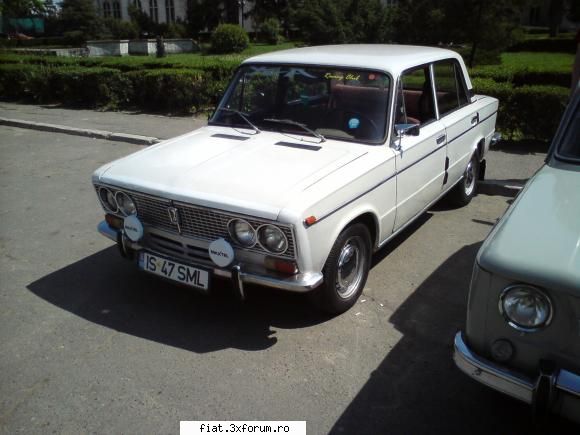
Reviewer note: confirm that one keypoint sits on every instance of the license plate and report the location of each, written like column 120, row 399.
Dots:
column 188, row 275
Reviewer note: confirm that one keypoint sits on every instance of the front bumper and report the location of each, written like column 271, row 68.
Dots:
column 301, row 282
column 558, row 391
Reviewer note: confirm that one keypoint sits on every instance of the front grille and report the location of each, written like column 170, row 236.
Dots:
column 198, row 222
column 175, row 248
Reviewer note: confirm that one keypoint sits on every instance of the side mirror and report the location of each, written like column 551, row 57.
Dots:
column 407, row 130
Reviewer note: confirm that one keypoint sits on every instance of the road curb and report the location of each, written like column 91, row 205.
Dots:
column 97, row 134
column 499, row 188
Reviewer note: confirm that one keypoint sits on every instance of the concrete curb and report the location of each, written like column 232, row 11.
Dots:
column 499, row 188
column 98, row 134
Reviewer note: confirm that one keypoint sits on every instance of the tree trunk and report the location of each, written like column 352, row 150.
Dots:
column 475, row 39
column 555, row 14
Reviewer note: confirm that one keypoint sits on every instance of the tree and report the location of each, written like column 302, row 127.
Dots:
column 21, row 8
column 350, row 21
column 488, row 26
column 203, row 15
column 262, row 10
column 80, row 16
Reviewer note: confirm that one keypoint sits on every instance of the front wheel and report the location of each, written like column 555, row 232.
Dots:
column 345, row 271
column 465, row 190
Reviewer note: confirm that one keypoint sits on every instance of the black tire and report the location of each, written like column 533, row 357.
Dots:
column 343, row 283
column 466, row 189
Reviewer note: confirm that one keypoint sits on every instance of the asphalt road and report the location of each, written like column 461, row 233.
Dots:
column 90, row 345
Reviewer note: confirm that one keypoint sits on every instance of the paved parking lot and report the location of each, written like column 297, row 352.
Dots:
column 89, row 345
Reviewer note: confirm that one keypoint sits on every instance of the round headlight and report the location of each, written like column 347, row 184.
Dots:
column 525, row 307
column 272, row 239
column 108, row 199
column 242, row 232
column 125, row 203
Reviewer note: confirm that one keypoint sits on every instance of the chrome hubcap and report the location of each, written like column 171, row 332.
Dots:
column 351, row 263
column 469, row 178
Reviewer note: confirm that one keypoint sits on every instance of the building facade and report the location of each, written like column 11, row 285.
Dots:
column 161, row 11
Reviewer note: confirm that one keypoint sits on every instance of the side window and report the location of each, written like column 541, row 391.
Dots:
column 450, row 86
column 415, row 98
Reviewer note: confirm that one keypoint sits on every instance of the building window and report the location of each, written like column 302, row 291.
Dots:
column 106, row 9
column 116, row 10
column 137, row 4
column 170, row 11
column 154, row 10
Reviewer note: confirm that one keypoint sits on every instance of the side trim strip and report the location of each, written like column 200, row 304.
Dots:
column 422, row 158
column 352, row 200
column 471, row 128
column 400, row 172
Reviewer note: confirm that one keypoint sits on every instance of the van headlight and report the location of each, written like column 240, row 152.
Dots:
column 526, row 308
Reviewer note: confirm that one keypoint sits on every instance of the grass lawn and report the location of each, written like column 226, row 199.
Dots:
column 541, row 61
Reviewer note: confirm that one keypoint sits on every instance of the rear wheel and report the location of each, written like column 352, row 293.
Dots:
column 345, row 271
column 465, row 190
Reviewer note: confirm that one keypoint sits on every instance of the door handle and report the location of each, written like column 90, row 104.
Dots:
column 475, row 119
column 440, row 139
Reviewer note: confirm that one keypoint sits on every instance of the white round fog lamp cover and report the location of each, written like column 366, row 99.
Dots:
column 221, row 252
column 133, row 228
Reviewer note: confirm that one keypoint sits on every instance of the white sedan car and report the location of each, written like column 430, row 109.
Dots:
column 313, row 160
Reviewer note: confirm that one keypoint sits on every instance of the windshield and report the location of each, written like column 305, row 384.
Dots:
column 570, row 145
column 331, row 102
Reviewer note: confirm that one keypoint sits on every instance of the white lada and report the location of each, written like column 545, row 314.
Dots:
column 313, row 160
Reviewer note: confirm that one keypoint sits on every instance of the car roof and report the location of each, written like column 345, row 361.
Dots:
column 384, row 57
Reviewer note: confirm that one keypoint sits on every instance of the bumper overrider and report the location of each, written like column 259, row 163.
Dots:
column 554, row 390
column 300, row 282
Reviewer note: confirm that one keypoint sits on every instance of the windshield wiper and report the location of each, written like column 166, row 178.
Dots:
column 297, row 124
column 241, row 115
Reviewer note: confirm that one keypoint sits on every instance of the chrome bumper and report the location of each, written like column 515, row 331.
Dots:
column 300, row 283
column 562, row 395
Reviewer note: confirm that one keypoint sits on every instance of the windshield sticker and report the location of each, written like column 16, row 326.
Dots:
column 353, row 123
column 338, row 76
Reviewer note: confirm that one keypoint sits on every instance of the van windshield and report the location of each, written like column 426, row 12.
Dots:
column 569, row 147
column 332, row 102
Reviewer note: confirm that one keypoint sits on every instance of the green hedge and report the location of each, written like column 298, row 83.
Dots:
column 189, row 83
column 550, row 45
column 530, row 111
column 166, row 90
column 523, row 75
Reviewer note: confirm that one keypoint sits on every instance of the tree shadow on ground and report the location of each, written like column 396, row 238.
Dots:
column 107, row 290
column 418, row 390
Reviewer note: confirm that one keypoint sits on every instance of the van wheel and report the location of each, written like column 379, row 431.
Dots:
column 465, row 190
column 345, row 271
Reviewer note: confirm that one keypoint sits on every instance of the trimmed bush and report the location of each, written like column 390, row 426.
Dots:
column 549, row 45
column 530, row 111
column 521, row 76
column 229, row 38
column 168, row 90
column 270, row 31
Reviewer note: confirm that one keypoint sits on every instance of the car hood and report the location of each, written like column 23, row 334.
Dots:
column 223, row 168
column 538, row 240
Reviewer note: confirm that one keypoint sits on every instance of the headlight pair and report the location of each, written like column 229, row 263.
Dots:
column 117, row 202
column 270, row 237
column 526, row 308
